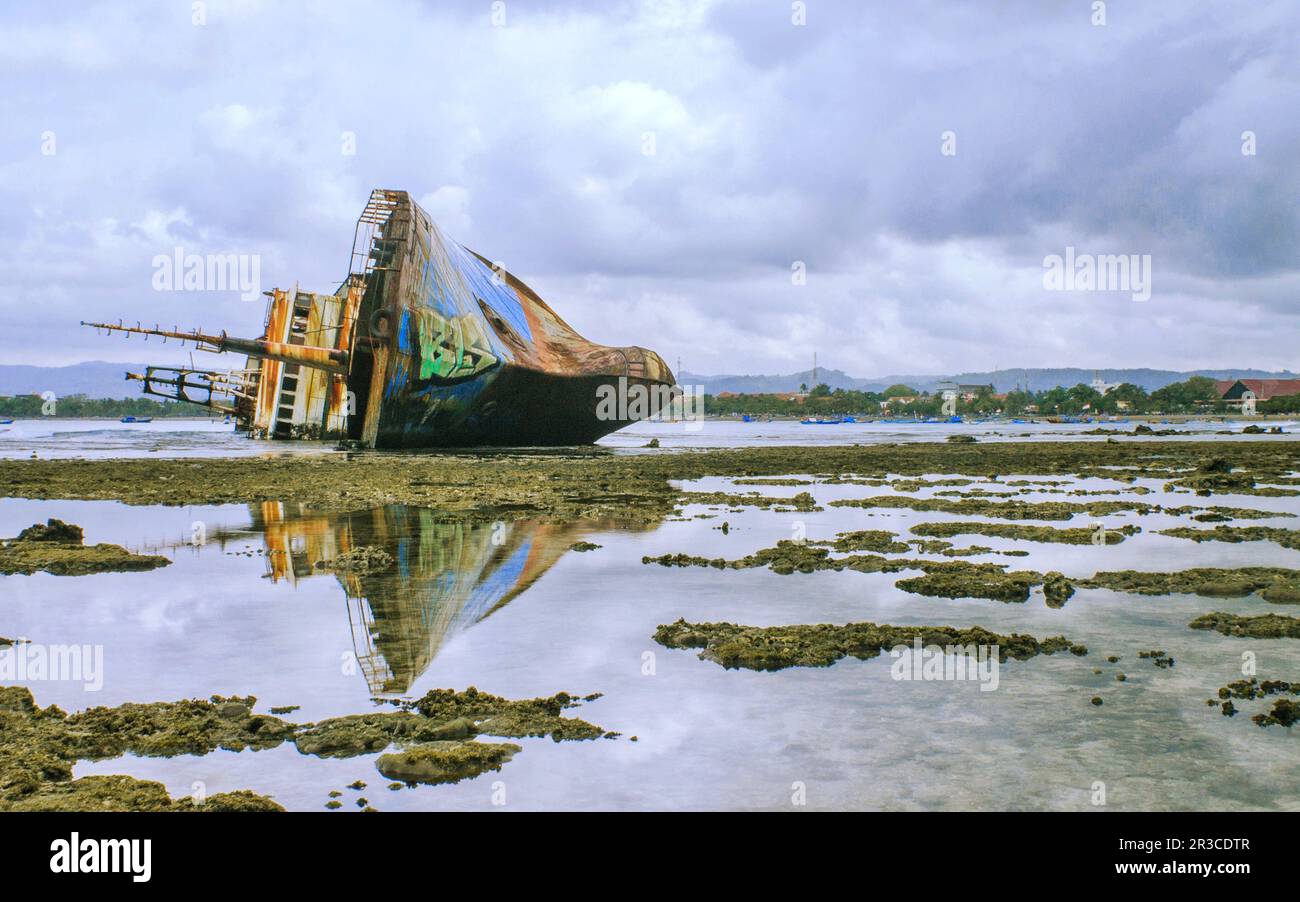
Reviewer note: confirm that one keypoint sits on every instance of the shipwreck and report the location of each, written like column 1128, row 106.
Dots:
column 425, row 344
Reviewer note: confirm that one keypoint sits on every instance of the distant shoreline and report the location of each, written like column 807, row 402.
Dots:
column 758, row 418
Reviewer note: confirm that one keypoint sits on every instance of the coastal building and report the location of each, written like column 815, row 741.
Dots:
column 966, row 391
column 1102, row 387
column 1232, row 390
column 971, row 392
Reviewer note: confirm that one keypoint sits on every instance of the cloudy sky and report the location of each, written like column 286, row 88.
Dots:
column 661, row 171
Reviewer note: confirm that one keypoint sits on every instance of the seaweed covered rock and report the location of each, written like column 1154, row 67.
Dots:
column 789, row 556
column 1264, row 626
column 1009, row 587
column 803, row 501
column 445, row 762
column 820, row 645
column 1003, row 510
column 359, row 734
column 56, row 547
column 497, row 716
column 52, row 530
column 1056, row 589
column 880, row 541
column 1215, row 474
column 578, row 484
column 1287, row 538
column 1023, row 532
column 39, row 745
column 116, row 792
column 189, row 727
column 1285, row 713
column 1211, row 582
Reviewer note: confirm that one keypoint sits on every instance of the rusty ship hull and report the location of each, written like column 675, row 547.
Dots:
column 425, row 344
column 515, row 406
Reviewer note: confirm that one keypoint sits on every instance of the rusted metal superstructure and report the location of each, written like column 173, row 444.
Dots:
column 424, row 344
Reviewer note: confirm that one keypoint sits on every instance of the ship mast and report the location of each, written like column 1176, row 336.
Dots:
column 330, row 359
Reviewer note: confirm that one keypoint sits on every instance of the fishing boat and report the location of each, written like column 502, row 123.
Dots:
column 425, row 344
column 6, row 422
column 130, row 419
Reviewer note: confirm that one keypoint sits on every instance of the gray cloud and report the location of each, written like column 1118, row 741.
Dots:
column 773, row 143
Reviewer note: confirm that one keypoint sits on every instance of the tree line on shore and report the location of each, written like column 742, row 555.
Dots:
column 30, row 407
column 1195, row 395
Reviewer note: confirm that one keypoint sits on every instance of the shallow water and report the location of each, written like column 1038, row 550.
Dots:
column 55, row 438
column 510, row 609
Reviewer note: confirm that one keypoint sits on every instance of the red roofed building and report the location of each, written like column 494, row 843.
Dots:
column 1233, row 389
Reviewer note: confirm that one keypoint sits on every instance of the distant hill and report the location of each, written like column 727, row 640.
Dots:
column 1149, row 379
column 97, row 379
column 94, row 379
column 1002, row 380
column 764, row 384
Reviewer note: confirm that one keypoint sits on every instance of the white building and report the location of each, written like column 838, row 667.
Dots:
column 1103, row 388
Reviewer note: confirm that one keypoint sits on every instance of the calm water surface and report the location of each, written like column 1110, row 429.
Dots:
column 511, row 609
column 54, row 438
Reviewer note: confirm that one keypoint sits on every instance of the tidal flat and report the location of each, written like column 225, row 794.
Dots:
column 366, row 593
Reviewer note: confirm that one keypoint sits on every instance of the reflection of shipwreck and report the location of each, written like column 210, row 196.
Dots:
column 446, row 576
column 425, row 344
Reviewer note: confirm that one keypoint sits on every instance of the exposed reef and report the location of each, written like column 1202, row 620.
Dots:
column 590, row 483
column 1262, row 626
column 445, row 762
column 38, row 747
column 1285, row 712
column 56, row 547
column 435, row 736
column 1277, row 584
column 1287, row 538
column 1025, row 532
column 1004, row 510
column 820, row 645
